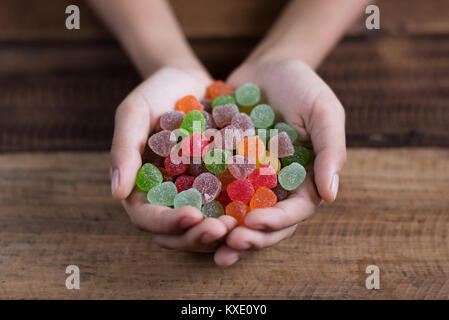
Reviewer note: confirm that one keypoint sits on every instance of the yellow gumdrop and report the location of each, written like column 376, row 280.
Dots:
column 253, row 147
column 270, row 159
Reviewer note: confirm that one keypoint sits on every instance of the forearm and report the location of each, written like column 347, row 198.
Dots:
column 149, row 32
column 308, row 29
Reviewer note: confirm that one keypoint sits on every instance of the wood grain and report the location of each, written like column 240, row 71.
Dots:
column 392, row 211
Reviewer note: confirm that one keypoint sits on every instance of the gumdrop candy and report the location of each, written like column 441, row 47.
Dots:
column 283, row 127
column 174, row 169
column 264, row 135
column 210, row 123
column 163, row 194
column 241, row 166
column 281, row 145
column 207, row 104
column 253, row 147
column 149, row 156
column 243, row 122
column 208, row 185
column 247, row 110
column 224, row 199
column 280, row 192
column 188, row 103
column 215, row 160
column 180, row 134
column 194, row 122
column 262, row 198
column 240, row 190
column 184, row 182
column 195, row 169
column 165, row 176
column 218, row 88
column 223, row 114
column 162, row 143
column 225, row 179
column 262, row 116
column 238, row 211
column 264, row 176
column 191, row 197
column 270, row 159
column 212, row 209
column 148, row 177
column 194, row 145
column 171, row 120
column 301, row 156
column 291, row 176
column 228, row 138
column 222, row 100
column 247, row 94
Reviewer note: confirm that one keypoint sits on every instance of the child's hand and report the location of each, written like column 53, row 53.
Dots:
column 136, row 117
column 306, row 103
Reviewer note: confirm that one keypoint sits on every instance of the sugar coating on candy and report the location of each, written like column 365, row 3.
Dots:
column 301, row 156
column 208, row 185
column 224, row 199
column 194, row 121
column 238, row 211
column 223, row 114
column 222, row 100
column 264, row 176
column 225, row 179
column 262, row 116
column 270, row 159
column 207, row 104
column 179, row 134
column 292, row 176
column 243, row 122
column 247, row 94
column 191, row 197
column 281, row 145
column 240, row 190
column 195, row 169
column 194, row 145
column 228, row 138
column 212, row 209
column 264, row 135
column 171, row 120
column 210, row 123
column 174, row 169
column 253, row 147
column 280, row 192
column 283, row 127
column 148, row 177
column 215, row 160
column 262, row 198
column 163, row 194
column 218, row 88
column 241, row 166
column 149, row 156
column 188, row 103
column 162, row 143
column 184, row 182
column 165, row 176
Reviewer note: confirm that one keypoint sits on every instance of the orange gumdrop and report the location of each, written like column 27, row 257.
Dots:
column 238, row 211
column 253, row 147
column 218, row 88
column 188, row 103
column 225, row 179
column 262, row 198
column 270, row 159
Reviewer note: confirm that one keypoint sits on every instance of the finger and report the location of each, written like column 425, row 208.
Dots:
column 226, row 256
column 202, row 237
column 242, row 238
column 297, row 207
column 327, row 129
column 229, row 222
column 159, row 219
column 132, row 126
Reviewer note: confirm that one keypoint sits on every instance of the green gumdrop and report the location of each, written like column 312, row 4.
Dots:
column 163, row 194
column 283, row 127
column 301, row 156
column 247, row 95
column 292, row 176
column 212, row 209
column 194, row 121
column 262, row 116
column 148, row 177
column 180, row 134
column 190, row 197
column 215, row 160
column 222, row 100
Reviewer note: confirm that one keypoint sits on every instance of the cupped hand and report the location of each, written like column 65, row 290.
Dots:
column 136, row 117
column 305, row 102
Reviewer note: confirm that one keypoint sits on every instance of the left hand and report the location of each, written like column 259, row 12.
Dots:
column 306, row 103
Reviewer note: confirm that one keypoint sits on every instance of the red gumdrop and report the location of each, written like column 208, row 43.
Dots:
column 184, row 182
column 174, row 169
column 224, row 199
column 240, row 190
column 264, row 176
column 194, row 145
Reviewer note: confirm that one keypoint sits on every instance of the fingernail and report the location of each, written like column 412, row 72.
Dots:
column 207, row 238
column 234, row 259
column 334, row 185
column 114, row 180
column 186, row 222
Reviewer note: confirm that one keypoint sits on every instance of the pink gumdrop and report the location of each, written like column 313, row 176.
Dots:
column 241, row 166
column 161, row 144
column 208, row 185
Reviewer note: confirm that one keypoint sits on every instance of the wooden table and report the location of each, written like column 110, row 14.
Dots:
column 392, row 211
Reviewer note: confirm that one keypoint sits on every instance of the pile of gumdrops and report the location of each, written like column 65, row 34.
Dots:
column 224, row 154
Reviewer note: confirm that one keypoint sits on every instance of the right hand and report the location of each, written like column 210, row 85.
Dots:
column 135, row 119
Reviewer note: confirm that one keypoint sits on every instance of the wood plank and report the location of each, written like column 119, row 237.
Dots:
column 392, row 211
